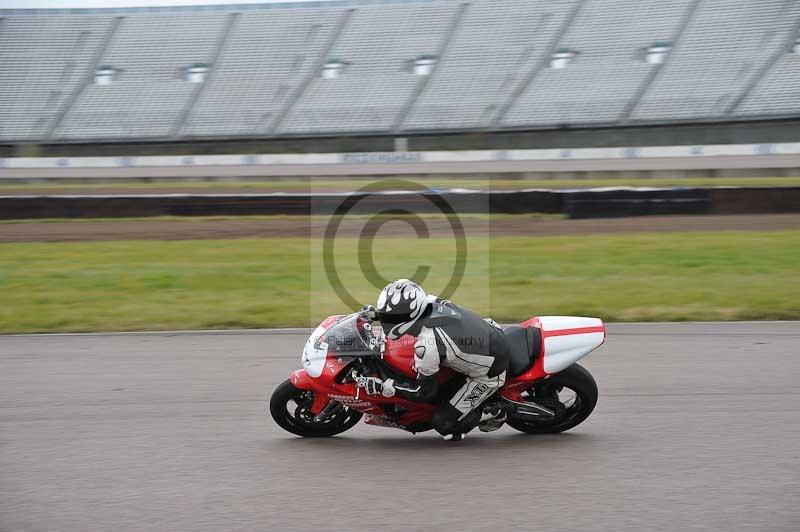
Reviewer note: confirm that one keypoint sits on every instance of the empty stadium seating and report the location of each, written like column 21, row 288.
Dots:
column 724, row 46
column 377, row 46
column 150, row 51
column 609, row 37
column 495, row 45
column 778, row 93
column 484, row 64
column 43, row 61
column 267, row 58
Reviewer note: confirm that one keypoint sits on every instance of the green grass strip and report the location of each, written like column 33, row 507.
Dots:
column 136, row 285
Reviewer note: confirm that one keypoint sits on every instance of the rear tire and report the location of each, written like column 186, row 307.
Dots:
column 575, row 378
column 289, row 408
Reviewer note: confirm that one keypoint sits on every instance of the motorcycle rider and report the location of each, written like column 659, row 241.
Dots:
column 446, row 335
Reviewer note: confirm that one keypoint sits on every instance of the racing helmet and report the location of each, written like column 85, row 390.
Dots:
column 400, row 305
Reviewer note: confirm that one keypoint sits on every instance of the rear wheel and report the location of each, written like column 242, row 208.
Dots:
column 571, row 393
column 291, row 409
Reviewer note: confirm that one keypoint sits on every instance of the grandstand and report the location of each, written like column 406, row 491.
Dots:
column 392, row 68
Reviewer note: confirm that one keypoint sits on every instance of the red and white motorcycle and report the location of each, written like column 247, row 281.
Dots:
column 545, row 390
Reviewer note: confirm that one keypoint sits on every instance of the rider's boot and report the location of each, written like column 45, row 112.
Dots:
column 493, row 417
column 446, row 422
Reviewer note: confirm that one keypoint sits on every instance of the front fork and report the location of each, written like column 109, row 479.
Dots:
column 301, row 380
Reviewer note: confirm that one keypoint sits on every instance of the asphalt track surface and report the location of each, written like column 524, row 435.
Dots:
column 697, row 428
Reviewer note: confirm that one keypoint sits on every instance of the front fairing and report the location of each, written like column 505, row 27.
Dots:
column 349, row 337
column 330, row 350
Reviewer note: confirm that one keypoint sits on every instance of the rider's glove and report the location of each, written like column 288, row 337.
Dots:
column 375, row 386
column 370, row 312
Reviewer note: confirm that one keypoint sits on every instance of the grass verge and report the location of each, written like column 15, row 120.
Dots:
column 136, row 285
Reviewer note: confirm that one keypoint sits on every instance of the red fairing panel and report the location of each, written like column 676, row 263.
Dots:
column 399, row 354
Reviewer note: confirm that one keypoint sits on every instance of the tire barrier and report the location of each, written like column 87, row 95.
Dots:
column 730, row 200
column 576, row 204
column 619, row 203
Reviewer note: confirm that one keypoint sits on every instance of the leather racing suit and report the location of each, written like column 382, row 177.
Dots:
column 454, row 337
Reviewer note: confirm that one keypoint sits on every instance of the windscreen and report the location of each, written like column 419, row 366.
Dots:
column 352, row 336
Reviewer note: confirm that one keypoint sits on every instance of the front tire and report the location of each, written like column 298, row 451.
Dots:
column 289, row 407
column 548, row 393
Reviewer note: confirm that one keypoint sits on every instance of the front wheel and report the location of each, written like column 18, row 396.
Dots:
column 571, row 393
column 290, row 408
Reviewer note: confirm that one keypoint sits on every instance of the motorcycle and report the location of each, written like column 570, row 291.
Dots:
column 545, row 390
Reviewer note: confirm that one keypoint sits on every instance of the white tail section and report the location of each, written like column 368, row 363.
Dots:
column 567, row 339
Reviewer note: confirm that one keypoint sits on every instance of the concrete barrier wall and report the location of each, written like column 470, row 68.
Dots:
column 630, row 159
column 746, row 131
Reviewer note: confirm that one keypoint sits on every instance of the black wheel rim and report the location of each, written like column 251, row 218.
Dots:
column 297, row 411
column 563, row 400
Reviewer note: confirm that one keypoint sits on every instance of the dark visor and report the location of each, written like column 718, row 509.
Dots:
column 393, row 319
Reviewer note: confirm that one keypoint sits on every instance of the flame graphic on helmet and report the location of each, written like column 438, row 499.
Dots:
column 403, row 291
